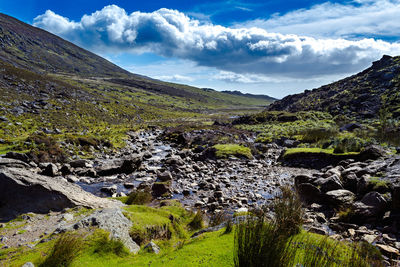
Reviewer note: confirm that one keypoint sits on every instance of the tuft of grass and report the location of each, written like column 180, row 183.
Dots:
column 288, row 212
column 197, row 222
column 227, row 150
column 104, row 245
column 67, row 247
column 139, row 197
column 228, row 227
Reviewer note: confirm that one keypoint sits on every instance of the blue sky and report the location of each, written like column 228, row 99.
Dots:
column 269, row 47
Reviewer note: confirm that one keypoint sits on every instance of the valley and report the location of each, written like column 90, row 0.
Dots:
column 134, row 171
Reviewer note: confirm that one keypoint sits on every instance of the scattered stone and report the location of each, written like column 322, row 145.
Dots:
column 152, row 247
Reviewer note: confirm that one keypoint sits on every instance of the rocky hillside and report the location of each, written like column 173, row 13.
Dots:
column 362, row 95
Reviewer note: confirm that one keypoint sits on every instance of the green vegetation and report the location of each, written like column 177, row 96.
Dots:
column 378, row 184
column 65, row 250
column 314, row 150
column 198, row 221
column 103, row 245
column 260, row 241
column 227, row 150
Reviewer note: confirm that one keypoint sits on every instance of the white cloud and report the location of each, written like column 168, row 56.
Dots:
column 379, row 18
column 175, row 78
column 171, row 33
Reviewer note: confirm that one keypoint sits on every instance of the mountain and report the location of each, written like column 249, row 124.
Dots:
column 51, row 85
column 362, row 95
column 238, row 93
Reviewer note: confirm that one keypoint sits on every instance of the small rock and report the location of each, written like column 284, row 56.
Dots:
column 109, row 189
column 68, row 217
column 28, row 264
column 388, row 251
column 50, row 170
column 369, row 238
column 165, row 176
column 152, row 247
column 317, row 230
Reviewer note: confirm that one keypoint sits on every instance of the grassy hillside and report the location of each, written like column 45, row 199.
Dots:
column 53, row 86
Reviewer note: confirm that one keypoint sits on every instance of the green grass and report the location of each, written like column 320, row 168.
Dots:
column 378, row 184
column 297, row 150
column 210, row 249
column 227, row 150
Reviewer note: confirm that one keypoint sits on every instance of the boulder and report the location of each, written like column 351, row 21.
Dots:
column 328, row 184
column 372, row 152
column 116, row 166
column 23, row 191
column 341, row 197
column 50, row 170
column 13, row 163
column 309, row 193
column 19, row 156
column 376, row 201
column 160, row 189
column 164, row 176
column 80, row 163
column 111, row 220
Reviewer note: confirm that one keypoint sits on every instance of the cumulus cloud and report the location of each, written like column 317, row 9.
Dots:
column 254, row 50
column 378, row 18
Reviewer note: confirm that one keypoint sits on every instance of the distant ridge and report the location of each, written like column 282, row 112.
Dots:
column 266, row 97
column 362, row 95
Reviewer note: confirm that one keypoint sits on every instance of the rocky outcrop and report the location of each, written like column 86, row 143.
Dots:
column 111, row 220
column 23, row 191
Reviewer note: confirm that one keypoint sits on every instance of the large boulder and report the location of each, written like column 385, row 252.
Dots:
column 120, row 165
column 23, row 191
column 111, row 220
column 373, row 152
column 13, row 163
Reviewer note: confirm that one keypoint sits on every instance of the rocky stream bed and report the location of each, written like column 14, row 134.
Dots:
column 344, row 200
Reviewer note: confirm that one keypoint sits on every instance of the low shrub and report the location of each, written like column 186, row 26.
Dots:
column 67, row 247
column 313, row 135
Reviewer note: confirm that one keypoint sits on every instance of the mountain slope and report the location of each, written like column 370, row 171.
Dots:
column 48, row 85
column 361, row 95
column 34, row 49
column 29, row 47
